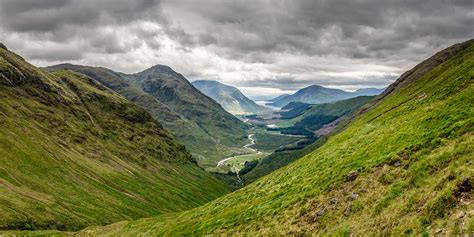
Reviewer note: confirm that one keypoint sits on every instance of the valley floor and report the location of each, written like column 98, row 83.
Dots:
column 262, row 143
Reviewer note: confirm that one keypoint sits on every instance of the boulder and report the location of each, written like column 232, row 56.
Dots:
column 320, row 212
column 352, row 175
column 348, row 210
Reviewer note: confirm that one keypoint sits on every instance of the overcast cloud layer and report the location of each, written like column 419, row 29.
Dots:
column 261, row 46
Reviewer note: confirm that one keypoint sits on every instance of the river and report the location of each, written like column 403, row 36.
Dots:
column 248, row 146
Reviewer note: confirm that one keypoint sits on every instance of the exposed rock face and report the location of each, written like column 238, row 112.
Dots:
column 14, row 73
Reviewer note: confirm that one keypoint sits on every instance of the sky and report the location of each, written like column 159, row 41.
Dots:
column 263, row 47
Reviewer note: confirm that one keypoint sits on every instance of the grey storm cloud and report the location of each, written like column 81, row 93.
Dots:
column 358, row 29
column 50, row 16
column 281, row 44
column 60, row 21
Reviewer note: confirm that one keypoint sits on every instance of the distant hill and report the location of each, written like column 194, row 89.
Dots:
column 207, row 130
column 279, row 97
column 294, row 109
column 229, row 97
column 318, row 95
column 74, row 153
column 304, row 118
column 402, row 167
column 368, row 91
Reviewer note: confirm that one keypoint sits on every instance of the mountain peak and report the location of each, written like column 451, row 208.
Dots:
column 316, row 88
column 160, row 69
column 316, row 94
column 313, row 87
column 163, row 69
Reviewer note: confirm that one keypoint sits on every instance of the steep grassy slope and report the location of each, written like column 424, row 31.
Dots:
column 229, row 97
column 178, row 93
column 74, row 153
column 412, row 156
column 208, row 131
column 278, row 159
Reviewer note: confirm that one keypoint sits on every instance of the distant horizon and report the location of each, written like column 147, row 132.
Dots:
column 244, row 90
column 268, row 97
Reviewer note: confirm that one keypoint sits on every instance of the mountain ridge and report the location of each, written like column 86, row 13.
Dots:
column 279, row 97
column 316, row 94
column 199, row 122
column 229, row 97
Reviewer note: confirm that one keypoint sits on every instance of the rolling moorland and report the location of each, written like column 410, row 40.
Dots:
column 74, row 153
column 208, row 131
column 402, row 166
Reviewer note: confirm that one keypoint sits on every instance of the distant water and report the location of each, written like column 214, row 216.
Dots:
column 264, row 103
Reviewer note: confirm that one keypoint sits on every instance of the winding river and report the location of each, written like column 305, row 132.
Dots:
column 248, row 146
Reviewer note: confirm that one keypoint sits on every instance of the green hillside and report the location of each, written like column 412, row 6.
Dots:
column 404, row 167
column 74, row 153
column 309, row 118
column 208, row 131
column 302, row 119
